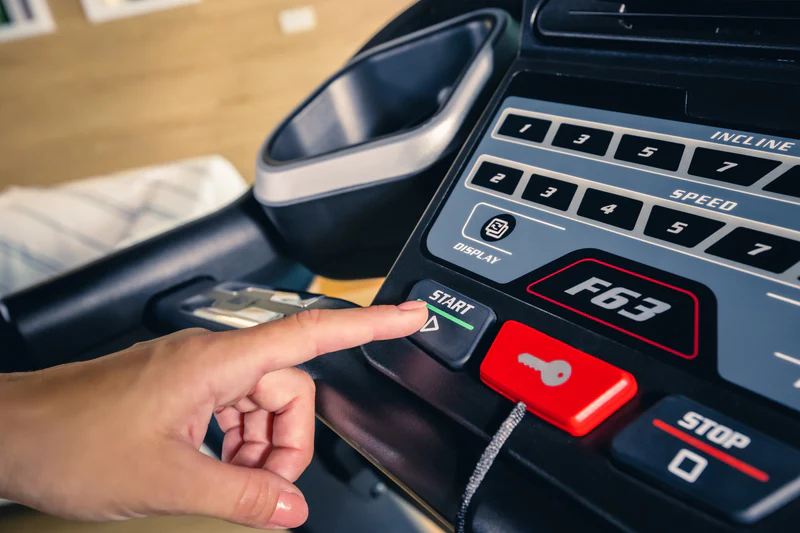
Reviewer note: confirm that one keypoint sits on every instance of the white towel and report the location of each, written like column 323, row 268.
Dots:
column 46, row 231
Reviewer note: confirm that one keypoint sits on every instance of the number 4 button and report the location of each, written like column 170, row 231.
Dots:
column 608, row 208
column 757, row 249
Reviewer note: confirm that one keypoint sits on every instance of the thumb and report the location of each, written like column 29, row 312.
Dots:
column 252, row 497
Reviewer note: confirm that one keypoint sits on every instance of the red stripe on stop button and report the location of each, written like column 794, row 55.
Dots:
column 558, row 383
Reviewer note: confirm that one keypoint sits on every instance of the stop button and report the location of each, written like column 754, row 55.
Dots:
column 711, row 458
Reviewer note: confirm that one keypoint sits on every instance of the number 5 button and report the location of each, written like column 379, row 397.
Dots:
column 679, row 227
column 651, row 152
column 758, row 249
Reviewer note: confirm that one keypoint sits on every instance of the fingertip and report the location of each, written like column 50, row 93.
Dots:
column 419, row 313
column 412, row 305
column 396, row 321
column 290, row 512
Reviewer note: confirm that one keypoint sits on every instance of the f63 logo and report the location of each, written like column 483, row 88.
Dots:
column 629, row 303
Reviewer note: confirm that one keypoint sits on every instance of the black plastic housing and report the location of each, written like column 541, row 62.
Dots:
column 709, row 90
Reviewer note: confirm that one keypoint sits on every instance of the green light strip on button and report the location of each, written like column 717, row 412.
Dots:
column 448, row 316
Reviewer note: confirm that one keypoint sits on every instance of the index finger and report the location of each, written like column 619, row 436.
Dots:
column 298, row 338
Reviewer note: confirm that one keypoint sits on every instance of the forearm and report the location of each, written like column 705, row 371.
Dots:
column 9, row 430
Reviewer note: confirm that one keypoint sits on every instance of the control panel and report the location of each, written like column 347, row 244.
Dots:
column 618, row 271
column 663, row 235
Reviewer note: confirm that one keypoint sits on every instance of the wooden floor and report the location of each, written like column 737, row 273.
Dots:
column 214, row 77
column 211, row 78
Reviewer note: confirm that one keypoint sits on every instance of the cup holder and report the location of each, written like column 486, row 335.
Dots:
column 382, row 94
column 352, row 168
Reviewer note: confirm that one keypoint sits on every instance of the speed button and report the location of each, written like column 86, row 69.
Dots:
column 679, row 227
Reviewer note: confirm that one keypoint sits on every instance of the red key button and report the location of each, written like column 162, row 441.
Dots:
column 566, row 387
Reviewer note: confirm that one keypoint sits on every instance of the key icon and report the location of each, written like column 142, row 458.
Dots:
column 553, row 374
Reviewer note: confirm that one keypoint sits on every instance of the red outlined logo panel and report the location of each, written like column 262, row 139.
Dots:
column 657, row 312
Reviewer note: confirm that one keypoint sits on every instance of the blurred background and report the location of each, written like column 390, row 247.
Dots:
column 95, row 95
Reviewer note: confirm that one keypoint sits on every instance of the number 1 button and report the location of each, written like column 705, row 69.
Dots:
column 610, row 208
column 525, row 128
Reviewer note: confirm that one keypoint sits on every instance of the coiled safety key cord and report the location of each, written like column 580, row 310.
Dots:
column 485, row 462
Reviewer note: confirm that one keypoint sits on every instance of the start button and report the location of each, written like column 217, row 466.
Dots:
column 455, row 323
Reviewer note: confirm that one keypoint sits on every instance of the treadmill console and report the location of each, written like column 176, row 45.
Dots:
column 679, row 240
column 632, row 274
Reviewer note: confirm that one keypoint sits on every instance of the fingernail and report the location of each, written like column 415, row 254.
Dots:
column 411, row 305
column 291, row 512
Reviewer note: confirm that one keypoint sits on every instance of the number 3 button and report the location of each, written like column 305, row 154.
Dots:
column 550, row 192
column 610, row 208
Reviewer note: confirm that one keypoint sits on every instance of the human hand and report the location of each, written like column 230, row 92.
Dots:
column 118, row 437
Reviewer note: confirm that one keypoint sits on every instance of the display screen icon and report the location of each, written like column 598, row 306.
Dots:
column 498, row 227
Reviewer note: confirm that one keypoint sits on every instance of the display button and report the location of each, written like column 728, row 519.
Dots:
column 788, row 183
column 455, row 323
column 564, row 386
column 656, row 312
column 730, row 167
column 498, row 227
column 549, row 191
column 679, row 227
column 610, row 208
column 583, row 139
column 497, row 177
column 651, row 152
column 758, row 249
column 525, row 128
column 717, row 461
